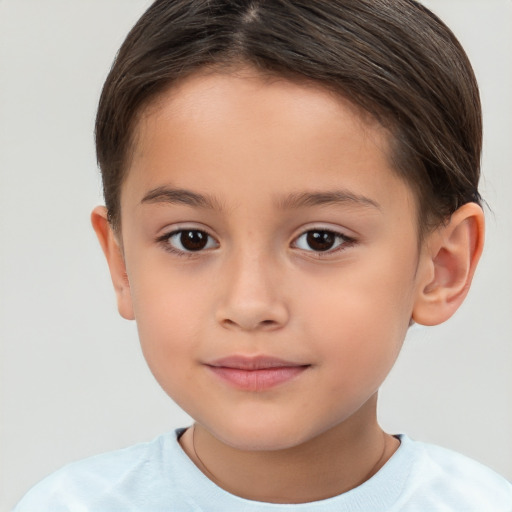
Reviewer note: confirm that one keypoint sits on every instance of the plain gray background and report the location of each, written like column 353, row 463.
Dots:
column 73, row 381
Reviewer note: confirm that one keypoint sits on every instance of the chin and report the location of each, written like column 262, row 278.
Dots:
column 261, row 436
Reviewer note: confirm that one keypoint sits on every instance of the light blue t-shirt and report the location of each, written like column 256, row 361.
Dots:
column 159, row 477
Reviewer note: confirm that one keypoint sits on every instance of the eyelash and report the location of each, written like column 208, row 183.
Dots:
column 345, row 242
column 164, row 241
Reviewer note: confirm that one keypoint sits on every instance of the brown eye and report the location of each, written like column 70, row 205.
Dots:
column 193, row 240
column 322, row 240
column 189, row 240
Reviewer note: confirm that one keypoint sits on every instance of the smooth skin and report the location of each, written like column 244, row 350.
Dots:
column 264, row 153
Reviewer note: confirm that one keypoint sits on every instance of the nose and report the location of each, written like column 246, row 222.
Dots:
column 253, row 297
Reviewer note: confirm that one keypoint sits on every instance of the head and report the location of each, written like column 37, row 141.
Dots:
column 290, row 179
column 396, row 61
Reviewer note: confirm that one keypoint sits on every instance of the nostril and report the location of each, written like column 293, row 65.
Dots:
column 268, row 324
column 263, row 324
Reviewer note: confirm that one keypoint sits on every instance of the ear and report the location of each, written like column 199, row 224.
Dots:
column 115, row 259
column 447, row 265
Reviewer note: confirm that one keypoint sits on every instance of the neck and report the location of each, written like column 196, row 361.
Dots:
column 330, row 464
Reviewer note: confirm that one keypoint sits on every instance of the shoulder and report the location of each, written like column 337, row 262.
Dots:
column 118, row 480
column 444, row 478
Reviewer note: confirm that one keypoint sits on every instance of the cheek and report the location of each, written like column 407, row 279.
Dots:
column 167, row 311
column 360, row 319
column 362, row 336
column 165, row 296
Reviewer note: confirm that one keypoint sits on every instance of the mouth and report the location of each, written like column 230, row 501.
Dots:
column 257, row 373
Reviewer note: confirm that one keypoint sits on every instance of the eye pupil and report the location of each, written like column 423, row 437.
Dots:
column 193, row 240
column 321, row 240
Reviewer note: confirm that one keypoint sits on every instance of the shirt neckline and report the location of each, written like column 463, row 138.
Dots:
column 378, row 493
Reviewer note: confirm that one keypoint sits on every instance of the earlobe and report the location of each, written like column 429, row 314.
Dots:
column 447, row 265
column 113, row 253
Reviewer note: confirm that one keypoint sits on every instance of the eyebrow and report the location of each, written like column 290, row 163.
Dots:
column 290, row 202
column 331, row 197
column 182, row 196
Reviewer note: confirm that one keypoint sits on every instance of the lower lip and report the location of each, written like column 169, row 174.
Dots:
column 257, row 380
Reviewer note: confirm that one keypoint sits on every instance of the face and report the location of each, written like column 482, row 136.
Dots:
column 271, row 255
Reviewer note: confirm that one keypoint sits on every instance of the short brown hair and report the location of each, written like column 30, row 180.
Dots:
column 393, row 58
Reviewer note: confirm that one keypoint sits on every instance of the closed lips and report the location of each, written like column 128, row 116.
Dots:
column 256, row 374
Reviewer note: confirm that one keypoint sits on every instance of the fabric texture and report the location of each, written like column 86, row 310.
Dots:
column 159, row 477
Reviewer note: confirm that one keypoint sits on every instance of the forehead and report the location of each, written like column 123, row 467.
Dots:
column 234, row 94
column 261, row 133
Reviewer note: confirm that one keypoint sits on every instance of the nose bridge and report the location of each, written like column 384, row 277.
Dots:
column 253, row 296
column 252, row 274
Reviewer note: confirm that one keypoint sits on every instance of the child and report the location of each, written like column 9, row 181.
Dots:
column 289, row 185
